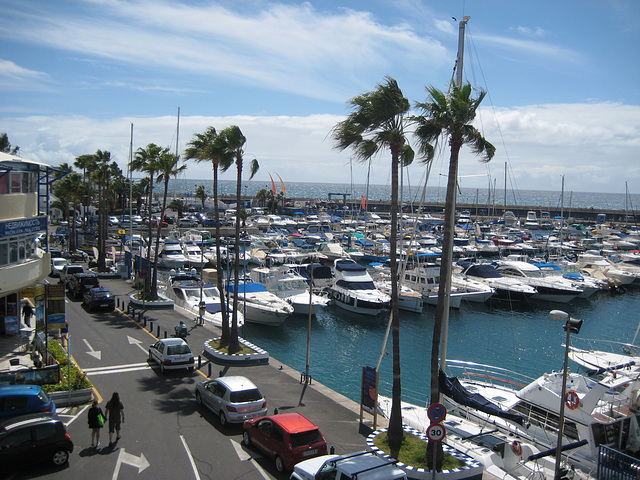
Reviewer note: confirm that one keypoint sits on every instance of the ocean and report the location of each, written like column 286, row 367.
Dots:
column 481, row 196
column 516, row 337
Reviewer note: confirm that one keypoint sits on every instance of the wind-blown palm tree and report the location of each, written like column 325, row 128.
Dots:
column 207, row 147
column 448, row 117
column 167, row 166
column 377, row 122
column 145, row 160
column 232, row 141
column 201, row 193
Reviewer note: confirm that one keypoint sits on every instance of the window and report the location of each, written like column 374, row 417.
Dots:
column 47, row 430
column 16, row 439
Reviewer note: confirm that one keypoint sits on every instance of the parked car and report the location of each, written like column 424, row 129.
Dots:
column 34, row 438
column 288, row 438
column 187, row 222
column 137, row 219
column 171, row 353
column 97, row 298
column 69, row 270
column 113, row 220
column 57, row 264
column 360, row 465
column 81, row 282
column 234, row 399
column 22, row 399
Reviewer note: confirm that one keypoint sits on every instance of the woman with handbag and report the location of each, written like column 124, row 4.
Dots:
column 96, row 422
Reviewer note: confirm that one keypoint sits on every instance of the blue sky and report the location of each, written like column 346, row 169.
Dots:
column 562, row 81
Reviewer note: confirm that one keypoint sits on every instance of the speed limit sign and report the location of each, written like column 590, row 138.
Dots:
column 436, row 432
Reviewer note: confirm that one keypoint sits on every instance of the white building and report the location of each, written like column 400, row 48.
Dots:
column 24, row 201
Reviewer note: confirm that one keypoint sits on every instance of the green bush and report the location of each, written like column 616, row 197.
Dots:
column 70, row 374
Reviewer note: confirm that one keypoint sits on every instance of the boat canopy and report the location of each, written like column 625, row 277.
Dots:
column 349, row 265
column 483, row 271
column 452, row 388
column 248, row 287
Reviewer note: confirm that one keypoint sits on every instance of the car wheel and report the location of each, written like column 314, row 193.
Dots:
column 279, row 464
column 223, row 419
column 246, row 439
column 198, row 398
column 60, row 457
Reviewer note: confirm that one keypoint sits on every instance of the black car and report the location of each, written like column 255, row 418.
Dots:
column 81, row 282
column 98, row 298
column 34, row 438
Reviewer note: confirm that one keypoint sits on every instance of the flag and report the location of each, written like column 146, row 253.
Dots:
column 273, row 185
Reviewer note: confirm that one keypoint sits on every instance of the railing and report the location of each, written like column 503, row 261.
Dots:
column 615, row 465
column 496, row 376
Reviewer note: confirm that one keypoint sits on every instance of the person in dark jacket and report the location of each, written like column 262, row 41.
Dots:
column 94, row 424
column 115, row 416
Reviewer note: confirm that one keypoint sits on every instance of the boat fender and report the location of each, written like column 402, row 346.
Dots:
column 572, row 400
column 635, row 401
column 516, row 447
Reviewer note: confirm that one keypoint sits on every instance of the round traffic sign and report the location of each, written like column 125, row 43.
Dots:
column 436, row 432
column 436, row 412
column 144, row 274
column 122, row 231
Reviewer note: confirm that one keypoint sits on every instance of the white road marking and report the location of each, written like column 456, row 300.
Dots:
column 138, row 343
column 124, row 457
column 94, row 353
column 245, row 456
column 132, row 367
column 193, row 463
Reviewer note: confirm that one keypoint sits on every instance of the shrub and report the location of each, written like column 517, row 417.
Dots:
column 71, row 374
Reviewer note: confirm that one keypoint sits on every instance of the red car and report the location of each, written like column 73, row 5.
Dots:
column 288, row 438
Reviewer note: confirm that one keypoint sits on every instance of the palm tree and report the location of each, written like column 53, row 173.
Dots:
column 167, row 167
column 377, row 122
column 69, row 194
column 201, row 193
column 232, row 143
column 207, row 147
column 177, row 205
column 85, row 162
column 145, row 160
column 448, row 117
column 103, row 171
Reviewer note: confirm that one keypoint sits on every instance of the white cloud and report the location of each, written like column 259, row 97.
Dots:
column 15, row 76
column 283, row 47
column 588, row 143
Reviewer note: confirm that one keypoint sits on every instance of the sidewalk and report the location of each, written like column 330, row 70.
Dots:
column 15, row 349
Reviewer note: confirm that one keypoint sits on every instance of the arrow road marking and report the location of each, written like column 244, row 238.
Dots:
column 124, row 457
column 97, row 354
column 138, row 343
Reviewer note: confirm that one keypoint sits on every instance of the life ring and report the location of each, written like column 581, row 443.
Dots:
column 571, row 400
column 516, row 447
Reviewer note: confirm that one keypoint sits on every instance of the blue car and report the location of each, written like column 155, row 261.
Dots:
column 23, row 399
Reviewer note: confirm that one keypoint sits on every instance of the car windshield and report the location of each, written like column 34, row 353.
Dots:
column 306, row 438
column 252, row 395
column 178, row 349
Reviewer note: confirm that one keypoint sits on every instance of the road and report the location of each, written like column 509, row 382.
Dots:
column 165, row 434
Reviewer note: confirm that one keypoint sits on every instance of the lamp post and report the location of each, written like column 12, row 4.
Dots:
column 572, row 325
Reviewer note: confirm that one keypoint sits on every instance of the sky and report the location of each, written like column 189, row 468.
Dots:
column 562, row 82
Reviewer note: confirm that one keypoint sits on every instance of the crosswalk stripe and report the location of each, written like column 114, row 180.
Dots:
column 117, row 369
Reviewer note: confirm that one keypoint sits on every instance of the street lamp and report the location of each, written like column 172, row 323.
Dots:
column 572, row 325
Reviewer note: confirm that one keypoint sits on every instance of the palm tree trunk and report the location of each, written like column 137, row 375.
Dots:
column 224, row 337
column 234, row 345
column 444, row 288
column 395, row 433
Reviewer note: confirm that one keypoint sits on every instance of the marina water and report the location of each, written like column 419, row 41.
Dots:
column 523, row 338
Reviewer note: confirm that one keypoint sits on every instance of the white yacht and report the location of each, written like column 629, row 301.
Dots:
column 258, row 304
column 290, row 286
column 506, row 288
column 194, row 255
column 353, row 289
column 187, row 291
column 550, row 288
column 171, row 256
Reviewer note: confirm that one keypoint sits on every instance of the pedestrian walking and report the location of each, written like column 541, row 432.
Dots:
column 27, row 312
column 96, row 421
column 115, row 415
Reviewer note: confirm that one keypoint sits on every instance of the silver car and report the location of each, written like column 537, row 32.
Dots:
column 171, row 353
column 234, row 399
